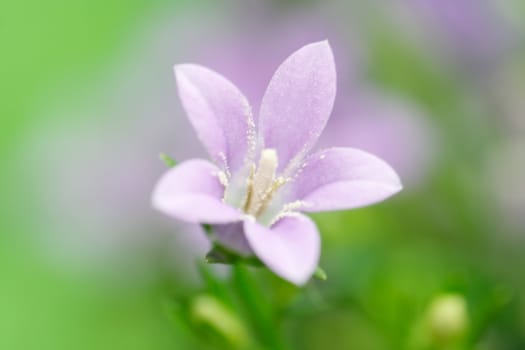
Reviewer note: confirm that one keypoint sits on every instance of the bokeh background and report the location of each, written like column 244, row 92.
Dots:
column 87, row 102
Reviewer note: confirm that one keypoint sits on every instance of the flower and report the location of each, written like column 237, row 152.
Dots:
column 261, row 180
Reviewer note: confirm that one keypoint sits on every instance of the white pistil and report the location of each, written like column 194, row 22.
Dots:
column 265, row 174
column 262, row 183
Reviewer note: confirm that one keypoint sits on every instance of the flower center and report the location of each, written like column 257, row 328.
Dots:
column 262, row 183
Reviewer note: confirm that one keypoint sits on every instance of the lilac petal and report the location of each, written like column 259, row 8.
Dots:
column 192, row 192
column 298, row 102
column 232, row 236
column 290, row 248
column 342, row 178
column 219, row 112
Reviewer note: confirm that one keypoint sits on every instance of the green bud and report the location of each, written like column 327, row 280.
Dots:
column 447, row 318
column 208, row 310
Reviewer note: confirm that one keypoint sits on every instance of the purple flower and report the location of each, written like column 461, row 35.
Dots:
column 262, row 179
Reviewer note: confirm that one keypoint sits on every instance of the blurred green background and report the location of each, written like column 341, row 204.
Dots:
column 88, row 102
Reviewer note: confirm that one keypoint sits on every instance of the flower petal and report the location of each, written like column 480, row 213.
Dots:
column 298, row 102
column 192, row 192
column 342, row 178
column 219, row 112
column 290, row 248
column 232, row 236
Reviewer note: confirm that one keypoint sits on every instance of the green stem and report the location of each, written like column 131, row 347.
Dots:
column 259, row 310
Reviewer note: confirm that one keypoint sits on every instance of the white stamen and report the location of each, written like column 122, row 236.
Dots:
column 298, row 172
column 294, row 205
column 223, row 179
column 289, row 209
column 283, row 215
column 224, row 161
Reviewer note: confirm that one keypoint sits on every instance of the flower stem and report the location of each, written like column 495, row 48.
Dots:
column 257, row 307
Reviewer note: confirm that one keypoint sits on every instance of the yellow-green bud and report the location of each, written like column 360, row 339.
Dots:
column 209, row 310
column 447, row 317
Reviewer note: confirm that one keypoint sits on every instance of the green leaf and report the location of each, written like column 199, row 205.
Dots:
column 208, row 230
column 170, row 162
column 214, row 284
column 219, row 254
column 320, row 274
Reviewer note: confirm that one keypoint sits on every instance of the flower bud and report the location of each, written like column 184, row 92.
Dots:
column 210, row 311
column 447, row 318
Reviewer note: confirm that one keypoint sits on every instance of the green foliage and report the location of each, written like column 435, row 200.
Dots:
column 170, row 162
